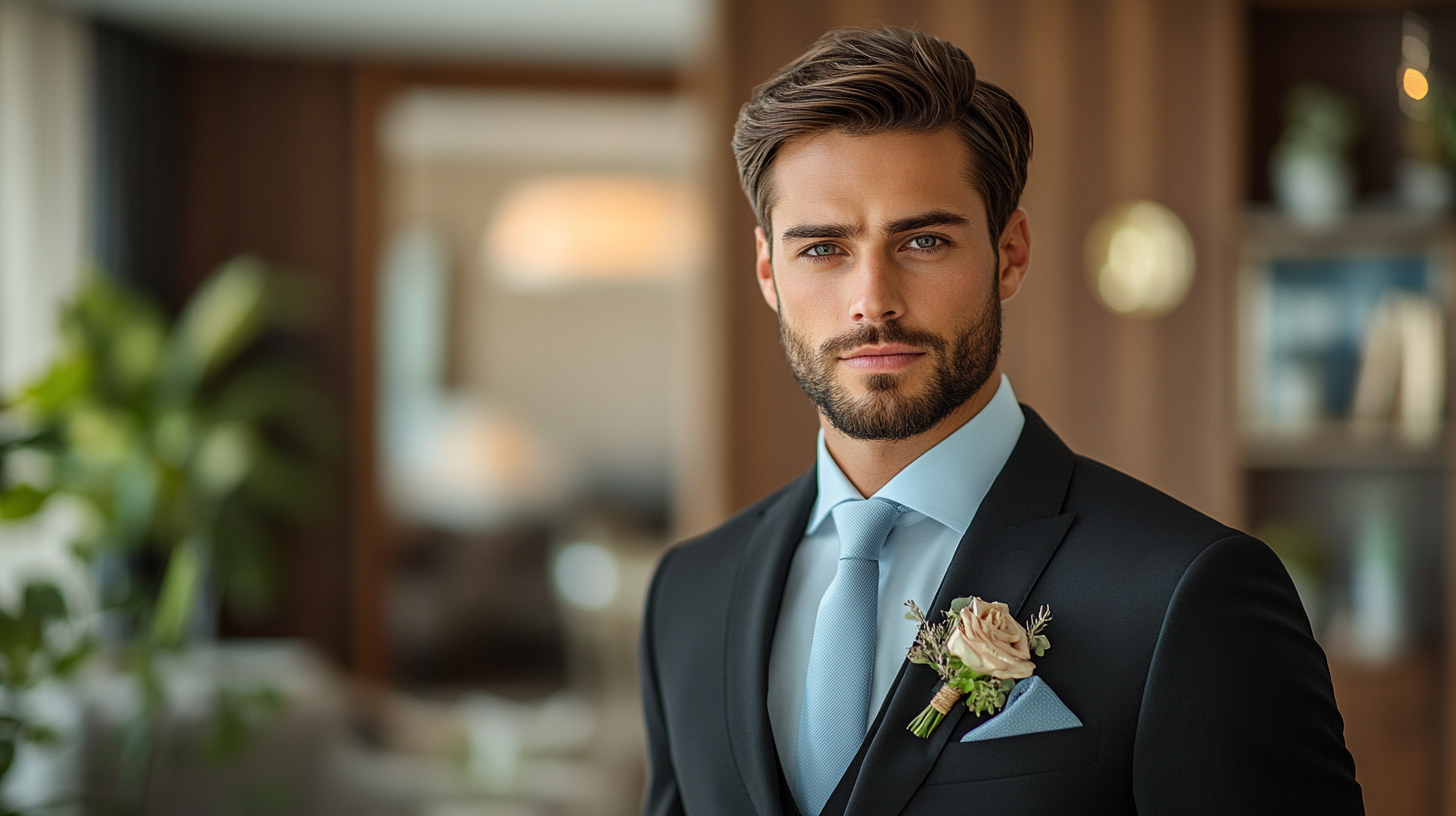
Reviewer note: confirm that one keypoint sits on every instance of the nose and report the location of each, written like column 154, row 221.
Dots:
column 877, row 297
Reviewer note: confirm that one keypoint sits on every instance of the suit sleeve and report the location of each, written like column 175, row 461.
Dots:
column 662, row 797
column 1238, row 715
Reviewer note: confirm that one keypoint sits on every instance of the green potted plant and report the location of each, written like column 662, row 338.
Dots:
column 191, row 444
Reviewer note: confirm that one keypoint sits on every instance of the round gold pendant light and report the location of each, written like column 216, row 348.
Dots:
column 1139, row 259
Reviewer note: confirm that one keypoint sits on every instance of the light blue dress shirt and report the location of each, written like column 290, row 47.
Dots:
column 943, row 489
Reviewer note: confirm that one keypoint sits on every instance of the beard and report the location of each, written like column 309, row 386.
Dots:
column 961, row 364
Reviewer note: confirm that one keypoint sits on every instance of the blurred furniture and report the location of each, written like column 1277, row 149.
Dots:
column 325, row 748
column 270, row 754
column 1343, row 365
column 1345, row 460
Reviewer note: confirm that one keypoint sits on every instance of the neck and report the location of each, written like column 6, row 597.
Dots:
column 871, row 463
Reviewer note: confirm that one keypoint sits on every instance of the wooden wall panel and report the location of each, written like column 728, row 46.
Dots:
column 1128, row 98
column 265, row 170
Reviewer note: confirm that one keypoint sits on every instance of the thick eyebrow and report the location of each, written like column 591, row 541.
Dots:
column 819, row 231
column 934, row 218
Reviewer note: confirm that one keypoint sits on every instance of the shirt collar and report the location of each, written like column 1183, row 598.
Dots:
column 947, row 482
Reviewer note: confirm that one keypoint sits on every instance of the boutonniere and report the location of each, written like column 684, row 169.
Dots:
column 979, row 650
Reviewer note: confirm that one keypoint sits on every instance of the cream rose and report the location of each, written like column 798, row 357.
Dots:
column 988, row 640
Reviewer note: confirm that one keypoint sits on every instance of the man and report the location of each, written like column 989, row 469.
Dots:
column 1182, row 678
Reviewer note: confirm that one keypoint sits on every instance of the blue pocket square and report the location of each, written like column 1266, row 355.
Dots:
column 1031, row 707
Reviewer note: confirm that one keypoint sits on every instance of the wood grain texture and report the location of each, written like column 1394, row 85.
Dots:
column 1390, row 730
column 264, row 170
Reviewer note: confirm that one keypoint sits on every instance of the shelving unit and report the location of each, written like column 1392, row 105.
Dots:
column 1358, row 511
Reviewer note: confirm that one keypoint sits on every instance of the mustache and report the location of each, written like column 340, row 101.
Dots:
column 877, row 333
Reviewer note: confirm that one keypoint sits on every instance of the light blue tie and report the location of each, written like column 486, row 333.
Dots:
column 836, row 708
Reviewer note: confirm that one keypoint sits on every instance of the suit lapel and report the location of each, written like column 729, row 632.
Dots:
column 1014, row 534
column 753, row 615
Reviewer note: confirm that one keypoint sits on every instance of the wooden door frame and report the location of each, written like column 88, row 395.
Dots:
column 375, row 85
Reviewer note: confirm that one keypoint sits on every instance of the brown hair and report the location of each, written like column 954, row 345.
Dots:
column 860, row 81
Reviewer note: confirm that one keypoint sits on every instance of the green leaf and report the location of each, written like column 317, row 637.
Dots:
column 238, row 718
column 67, row 663
column 135, row 488
column 20, row 501
column 178, row 594
column 958, row 604
column 220, row 320
column 286, row 398
column 224, row 458
column 40, row 735
column 43, row 602
column 246, row 560
column 7, row 755
column 289, row 487
column 66, row 382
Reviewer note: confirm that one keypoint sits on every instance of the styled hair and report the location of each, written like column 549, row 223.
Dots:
column 862, row 82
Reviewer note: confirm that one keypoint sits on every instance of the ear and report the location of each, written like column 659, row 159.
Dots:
column 764, row 269
column 1014, row 249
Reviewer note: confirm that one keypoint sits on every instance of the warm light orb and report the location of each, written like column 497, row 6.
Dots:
column 1139, row 259
column 556, row 230
column 1415, row 84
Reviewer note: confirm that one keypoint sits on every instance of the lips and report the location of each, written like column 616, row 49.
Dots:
column 881, row 359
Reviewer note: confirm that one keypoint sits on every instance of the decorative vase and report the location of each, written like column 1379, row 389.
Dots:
column 1315, row 191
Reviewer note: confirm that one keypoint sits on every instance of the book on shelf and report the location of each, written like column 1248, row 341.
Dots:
column 1401, row 385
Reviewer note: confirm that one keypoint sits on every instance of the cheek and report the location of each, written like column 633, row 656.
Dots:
column 949, row 301
column 811, row 304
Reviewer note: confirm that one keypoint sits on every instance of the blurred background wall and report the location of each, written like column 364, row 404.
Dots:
column 529, row 419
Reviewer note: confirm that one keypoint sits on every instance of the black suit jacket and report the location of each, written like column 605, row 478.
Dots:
column 1180, row 643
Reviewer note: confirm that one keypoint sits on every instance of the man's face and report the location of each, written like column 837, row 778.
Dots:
column 887, row 285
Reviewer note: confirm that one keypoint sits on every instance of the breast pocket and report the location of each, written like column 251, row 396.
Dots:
column 1021, row 755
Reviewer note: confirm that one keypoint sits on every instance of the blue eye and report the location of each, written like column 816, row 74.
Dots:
column 820, row 250
column 924, row 242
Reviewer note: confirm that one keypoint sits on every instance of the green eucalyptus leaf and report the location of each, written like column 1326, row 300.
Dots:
column 958, row 604
column 21, row 501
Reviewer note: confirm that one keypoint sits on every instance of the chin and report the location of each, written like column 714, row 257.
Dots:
column 899, row 384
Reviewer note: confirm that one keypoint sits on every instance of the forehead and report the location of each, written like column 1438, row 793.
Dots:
column 882, row 175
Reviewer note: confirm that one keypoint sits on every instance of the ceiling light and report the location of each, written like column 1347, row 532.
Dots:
column 560, row 230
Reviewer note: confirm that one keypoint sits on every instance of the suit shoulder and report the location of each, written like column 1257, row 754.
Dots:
column 1111, row 503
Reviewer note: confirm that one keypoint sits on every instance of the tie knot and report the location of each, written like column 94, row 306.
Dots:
column 863, row 527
